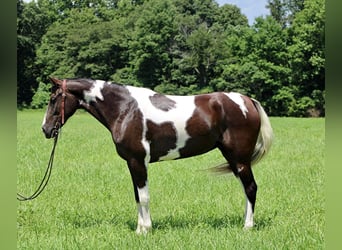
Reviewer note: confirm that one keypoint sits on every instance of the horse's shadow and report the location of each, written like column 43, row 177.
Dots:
column 231, row 221
column 167, row 222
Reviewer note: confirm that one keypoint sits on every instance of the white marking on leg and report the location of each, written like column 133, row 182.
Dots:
column 248, row 215
column 94, row 92
column 144, row 218
column 179, row 115
column 249, row 223
column 237, row 98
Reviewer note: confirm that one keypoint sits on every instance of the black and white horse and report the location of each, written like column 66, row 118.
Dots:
column 147, row 127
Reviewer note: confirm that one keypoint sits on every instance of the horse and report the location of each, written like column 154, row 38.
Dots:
column 148, row 127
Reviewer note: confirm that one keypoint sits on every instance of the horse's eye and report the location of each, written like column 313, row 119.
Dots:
column 53, row 98
column 56, row 111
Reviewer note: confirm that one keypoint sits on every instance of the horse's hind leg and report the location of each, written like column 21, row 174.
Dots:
column 139, row 177
column 250, row 187
column 244, row 172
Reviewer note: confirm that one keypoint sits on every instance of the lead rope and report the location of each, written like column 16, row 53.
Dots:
column 46, row 177
column 47, row 174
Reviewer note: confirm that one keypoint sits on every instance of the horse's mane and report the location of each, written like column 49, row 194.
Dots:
column 91, row 81
column 76, row 79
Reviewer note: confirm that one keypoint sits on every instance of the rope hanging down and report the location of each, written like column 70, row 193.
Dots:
column 46, row 177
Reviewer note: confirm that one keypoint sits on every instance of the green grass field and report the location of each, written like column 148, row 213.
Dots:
column 89, row 201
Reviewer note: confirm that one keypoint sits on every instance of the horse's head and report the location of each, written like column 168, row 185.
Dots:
column 61, row 106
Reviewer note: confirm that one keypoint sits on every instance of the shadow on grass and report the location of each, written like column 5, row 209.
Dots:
column 233, row 221
column 80, row 220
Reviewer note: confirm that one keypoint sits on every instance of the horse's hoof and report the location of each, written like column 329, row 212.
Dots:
column 141, row 230
column 248, row 227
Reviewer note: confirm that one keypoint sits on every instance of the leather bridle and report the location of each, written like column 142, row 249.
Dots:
column 60, row 123
column 63, row 100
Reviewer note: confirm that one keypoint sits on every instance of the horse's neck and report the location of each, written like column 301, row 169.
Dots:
column 92, row 109
column 107, row 110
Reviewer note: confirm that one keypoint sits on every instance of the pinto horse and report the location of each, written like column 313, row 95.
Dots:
column 148, row 127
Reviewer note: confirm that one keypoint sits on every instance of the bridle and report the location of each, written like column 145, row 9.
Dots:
column 47, row 174
column 58, row 125
column 63, row 100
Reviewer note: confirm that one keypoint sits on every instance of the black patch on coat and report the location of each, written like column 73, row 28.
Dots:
column 162, row 138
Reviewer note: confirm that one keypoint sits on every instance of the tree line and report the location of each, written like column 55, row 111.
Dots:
column 176, row 47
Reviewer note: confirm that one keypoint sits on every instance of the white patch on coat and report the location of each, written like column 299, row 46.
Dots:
column 237, row 98
column 44, row 119
column 249, row 223
column 178, row 116
column 144, row 217
column 248, row 215
column 94, row 92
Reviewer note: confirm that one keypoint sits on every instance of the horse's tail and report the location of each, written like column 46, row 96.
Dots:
column 265, row 136
column 262, row 145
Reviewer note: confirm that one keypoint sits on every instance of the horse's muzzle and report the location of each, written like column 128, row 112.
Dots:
column 51, row 133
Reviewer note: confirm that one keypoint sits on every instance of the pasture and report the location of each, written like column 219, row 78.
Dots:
column 89, row 201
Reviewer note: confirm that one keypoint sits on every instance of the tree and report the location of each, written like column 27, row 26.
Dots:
column 199, row 44
column 33, row 20
column 230, row 16
column 150, row 42
column 177, row 47
column 284, row 11
column 257, row 64
column 31, row 26
column 81, row 45
column 307, row 56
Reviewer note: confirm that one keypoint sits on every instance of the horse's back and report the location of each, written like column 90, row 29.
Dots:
column 228, row 107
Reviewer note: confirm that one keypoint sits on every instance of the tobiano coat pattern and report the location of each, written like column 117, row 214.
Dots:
column 148, row 127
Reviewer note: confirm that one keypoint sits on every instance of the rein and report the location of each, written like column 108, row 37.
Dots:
column 48, row 170
column 45, row 179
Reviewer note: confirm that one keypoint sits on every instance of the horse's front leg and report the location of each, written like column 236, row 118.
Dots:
column 138, row 172
column 144, row 218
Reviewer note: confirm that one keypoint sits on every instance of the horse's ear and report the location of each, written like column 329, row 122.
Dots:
column 55, row 81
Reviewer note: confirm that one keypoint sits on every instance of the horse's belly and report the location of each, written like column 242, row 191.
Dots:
column 184, row 148
column 172, row 155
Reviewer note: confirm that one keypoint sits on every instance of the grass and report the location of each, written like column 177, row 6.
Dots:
column 89, row 202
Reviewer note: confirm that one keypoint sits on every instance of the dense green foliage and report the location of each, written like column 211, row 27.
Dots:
column 177, row 47
column 89, row 201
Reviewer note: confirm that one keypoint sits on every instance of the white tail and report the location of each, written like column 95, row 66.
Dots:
column 265, row 137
